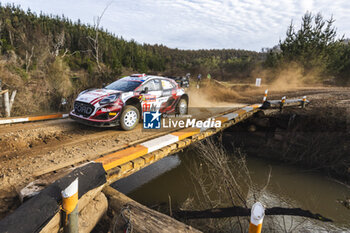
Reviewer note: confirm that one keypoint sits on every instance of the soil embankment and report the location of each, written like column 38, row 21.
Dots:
column 317, row 137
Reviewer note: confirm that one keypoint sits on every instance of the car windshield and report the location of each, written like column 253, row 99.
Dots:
column 123, row 85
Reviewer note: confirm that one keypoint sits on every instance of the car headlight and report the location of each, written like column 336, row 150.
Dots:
column 109, row 99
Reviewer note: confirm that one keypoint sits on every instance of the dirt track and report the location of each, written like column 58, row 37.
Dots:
column 31, row 149
column 36, row 147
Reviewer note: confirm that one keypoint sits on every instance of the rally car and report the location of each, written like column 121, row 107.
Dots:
column 182, row 81
column 123, row 102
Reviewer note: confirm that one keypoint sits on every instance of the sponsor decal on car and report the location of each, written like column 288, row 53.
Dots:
column 147, row 107
column 148, row 98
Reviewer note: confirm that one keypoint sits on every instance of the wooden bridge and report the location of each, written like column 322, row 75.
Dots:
column 42, row 211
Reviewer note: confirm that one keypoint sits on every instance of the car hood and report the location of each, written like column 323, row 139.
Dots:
column 94, row 95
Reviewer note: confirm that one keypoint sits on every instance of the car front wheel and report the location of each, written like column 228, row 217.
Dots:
column 182, row 107
column 129, row 118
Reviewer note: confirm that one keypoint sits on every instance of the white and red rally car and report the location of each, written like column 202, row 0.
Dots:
column 123, row 101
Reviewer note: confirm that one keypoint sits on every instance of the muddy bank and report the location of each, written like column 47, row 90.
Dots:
column 316, row 138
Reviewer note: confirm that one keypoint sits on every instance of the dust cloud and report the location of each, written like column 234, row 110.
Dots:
column 291, row 76
column 212, row 96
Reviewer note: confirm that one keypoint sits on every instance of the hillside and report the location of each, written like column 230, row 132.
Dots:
column 47, row 58
column 50, row 58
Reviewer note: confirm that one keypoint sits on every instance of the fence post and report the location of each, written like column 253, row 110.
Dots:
column 7, row 104
column 256, row 218
column 303, row 103
column 283, row 101
column 265, row 95
column 70, row 208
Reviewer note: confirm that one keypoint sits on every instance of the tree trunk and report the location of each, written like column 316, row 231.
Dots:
column 141, row 218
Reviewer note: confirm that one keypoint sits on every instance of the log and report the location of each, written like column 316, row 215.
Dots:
column 242, row 211
column 92, row 213
column 142, row 218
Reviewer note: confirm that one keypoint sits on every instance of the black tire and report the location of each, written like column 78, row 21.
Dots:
column 180, row 111
column 127, row 120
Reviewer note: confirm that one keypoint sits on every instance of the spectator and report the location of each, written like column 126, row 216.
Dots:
column 199, row 77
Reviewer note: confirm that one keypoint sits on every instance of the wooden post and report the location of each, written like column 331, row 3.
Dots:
column 7, row 104
column 70, row 208
column 283, row 101
column 303, row 103
column 265, row 95
column 256, row 218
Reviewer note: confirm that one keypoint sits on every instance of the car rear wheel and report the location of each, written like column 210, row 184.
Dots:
column 129, row 118
column 182, row 107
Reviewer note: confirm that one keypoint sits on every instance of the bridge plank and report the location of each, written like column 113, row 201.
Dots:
column 185, row 133
column 120, row 157
column 158, row 143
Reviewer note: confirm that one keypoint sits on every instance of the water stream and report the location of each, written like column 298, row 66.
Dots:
column 298, row 187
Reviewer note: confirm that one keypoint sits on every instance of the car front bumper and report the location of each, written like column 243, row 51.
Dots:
column 97, row 123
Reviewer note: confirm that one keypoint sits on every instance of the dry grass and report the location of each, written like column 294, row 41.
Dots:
column 41, row 90
column 220, row 181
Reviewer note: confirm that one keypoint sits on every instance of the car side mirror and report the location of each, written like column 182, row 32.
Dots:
column 145, row 90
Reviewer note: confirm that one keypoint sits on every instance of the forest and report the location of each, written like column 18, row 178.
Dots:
column 94, row 49
column 49, row 58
